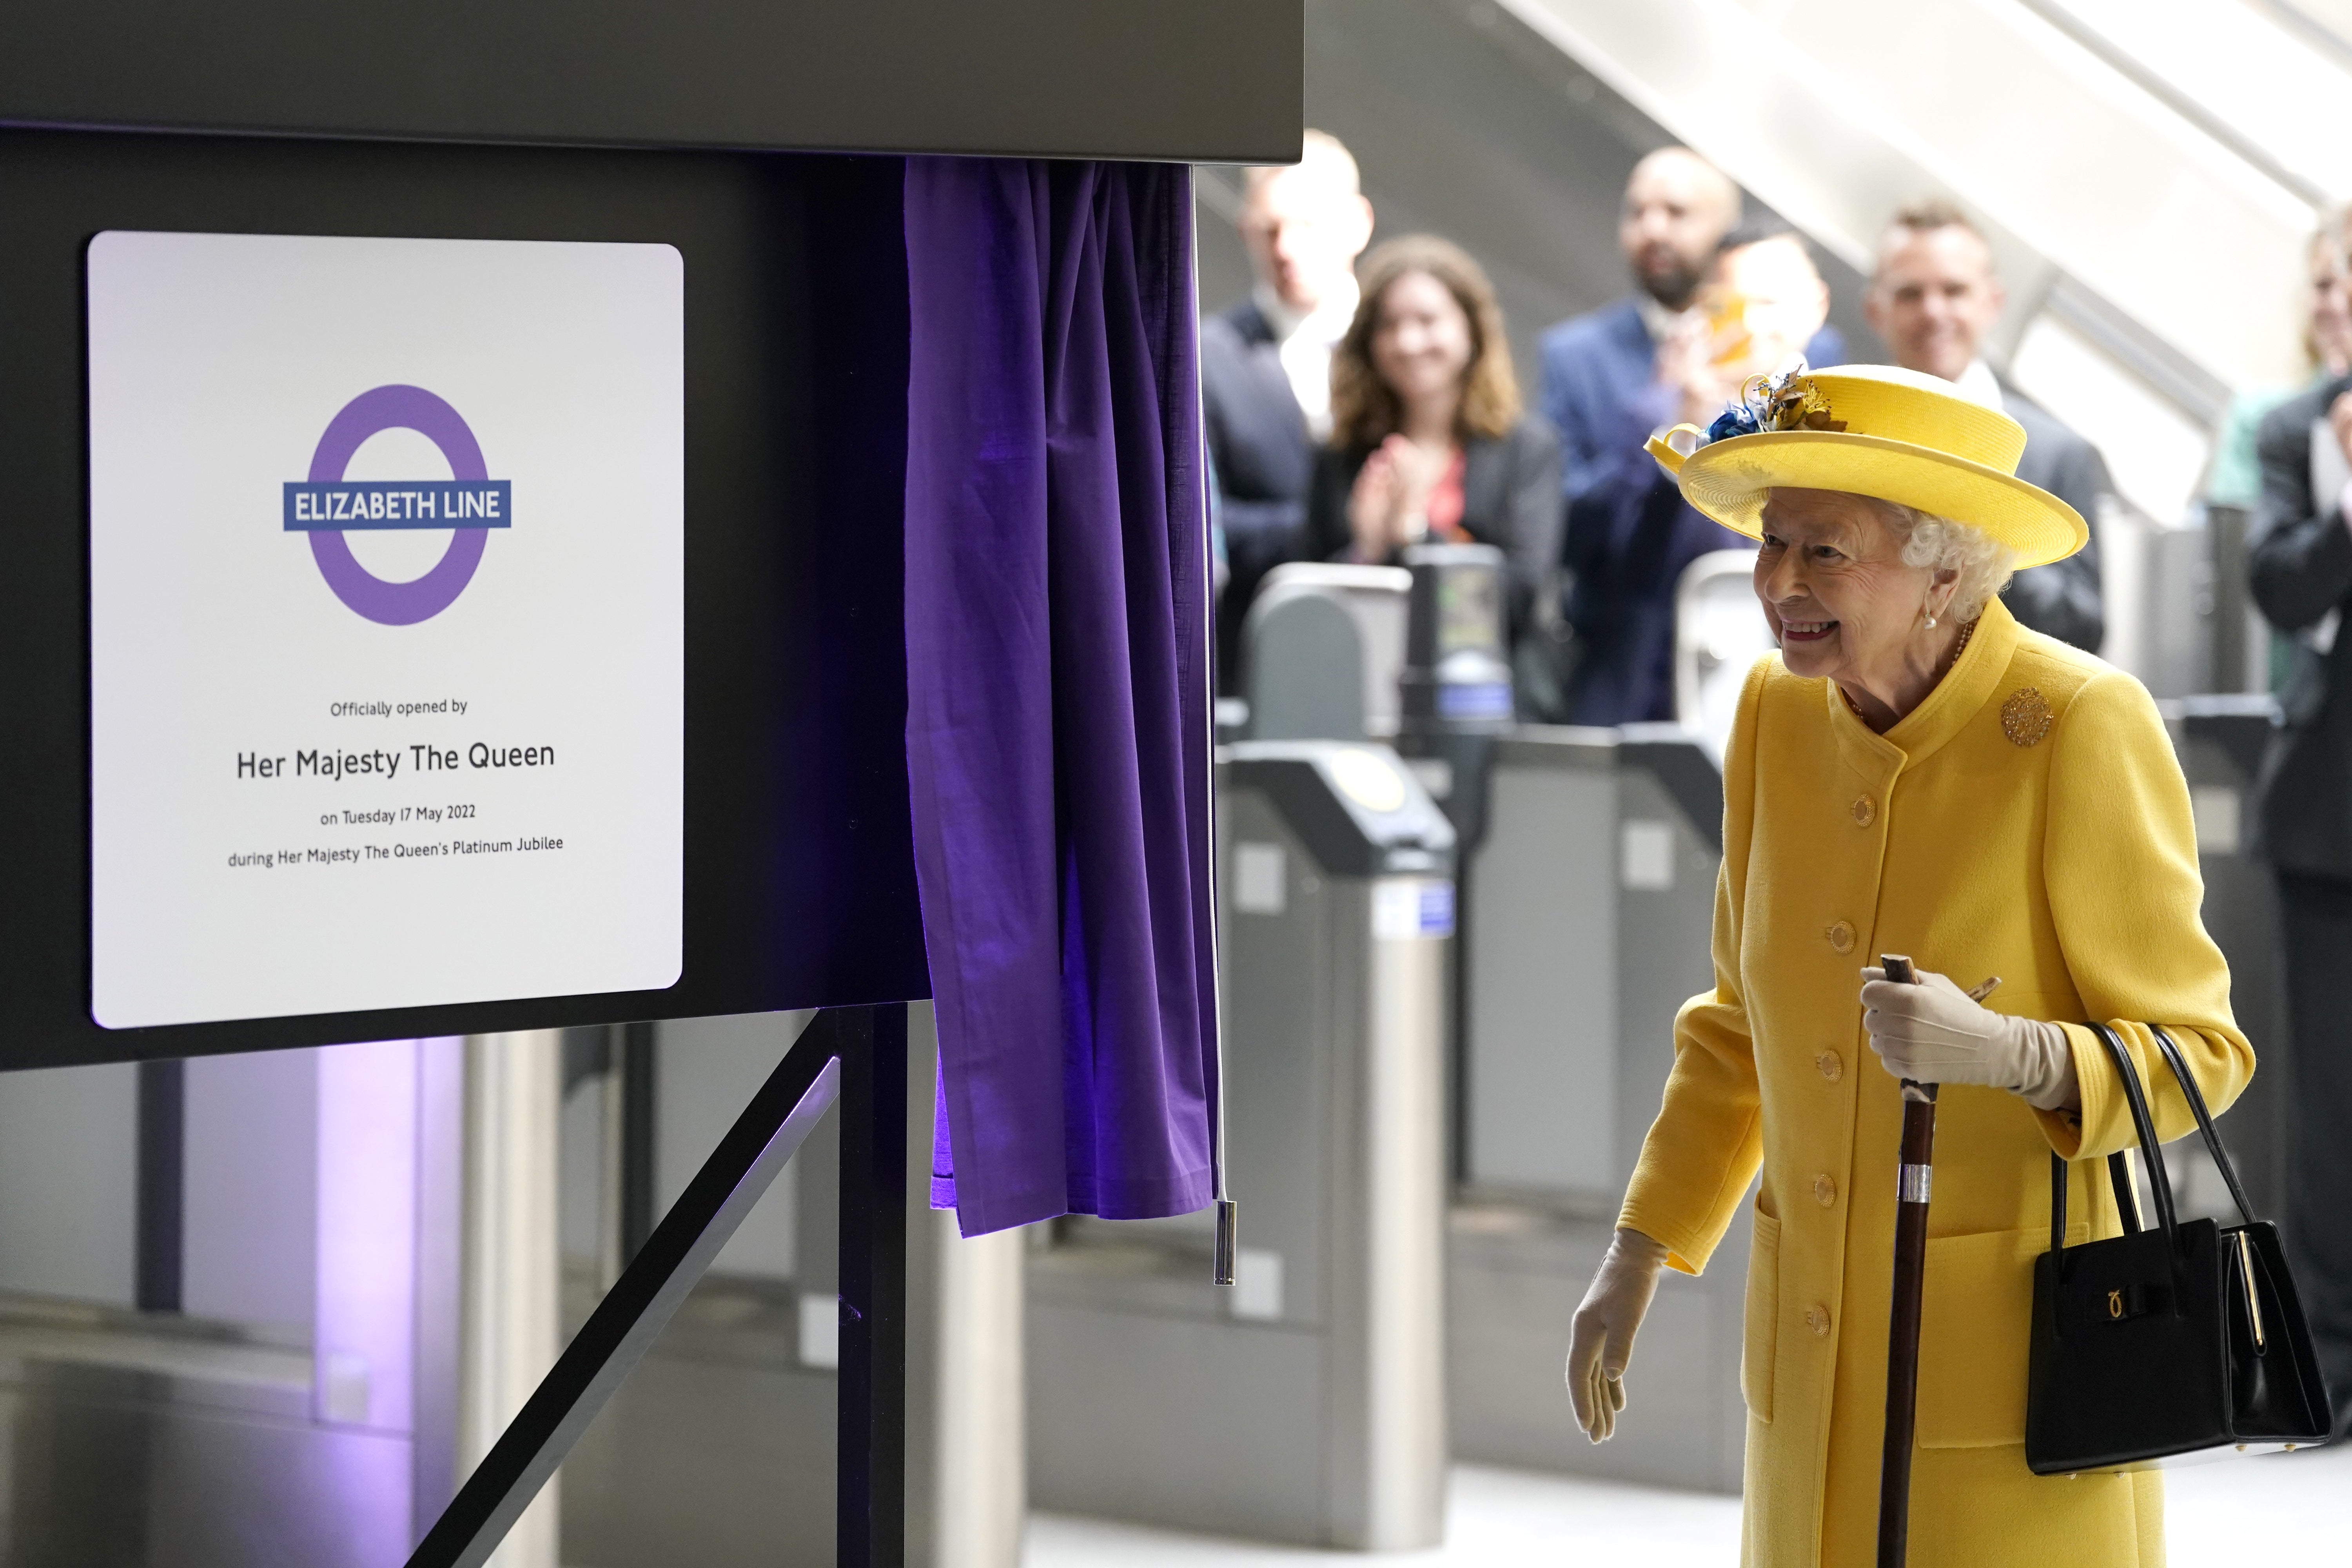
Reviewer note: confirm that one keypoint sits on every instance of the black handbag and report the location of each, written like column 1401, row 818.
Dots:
column 2175, row 1344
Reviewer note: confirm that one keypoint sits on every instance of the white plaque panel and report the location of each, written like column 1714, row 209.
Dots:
column 386, row 622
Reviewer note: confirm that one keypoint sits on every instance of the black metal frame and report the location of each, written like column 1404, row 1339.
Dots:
column 860, row 1056
column 162, row 1222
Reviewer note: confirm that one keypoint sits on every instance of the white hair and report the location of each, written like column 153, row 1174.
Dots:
column 1981, row 564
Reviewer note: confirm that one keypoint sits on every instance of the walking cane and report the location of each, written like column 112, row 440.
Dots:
column 1913, row 1180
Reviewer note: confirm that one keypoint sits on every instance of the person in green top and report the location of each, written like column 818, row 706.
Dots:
column 2235, row 478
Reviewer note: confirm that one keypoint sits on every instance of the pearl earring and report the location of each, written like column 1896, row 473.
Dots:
column 1931, row 622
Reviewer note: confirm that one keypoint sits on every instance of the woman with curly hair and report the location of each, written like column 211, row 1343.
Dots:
column 1429, row 439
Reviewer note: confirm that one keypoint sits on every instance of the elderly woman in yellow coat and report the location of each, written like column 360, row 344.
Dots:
column 1913, row 773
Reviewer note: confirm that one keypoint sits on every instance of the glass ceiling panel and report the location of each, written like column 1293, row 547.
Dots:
column 2236, row 62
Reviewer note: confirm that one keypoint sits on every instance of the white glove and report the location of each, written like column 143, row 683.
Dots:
column 1603, row 1340
column 1934, row 1031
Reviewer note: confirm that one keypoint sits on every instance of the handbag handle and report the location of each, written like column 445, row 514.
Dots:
column 2119, row 1178
column 2159, row 1181
column 2196, row 1097
column 2158, row 1184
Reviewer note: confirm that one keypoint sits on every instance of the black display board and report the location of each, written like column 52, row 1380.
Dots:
column 1204, row 80
column 799, row 884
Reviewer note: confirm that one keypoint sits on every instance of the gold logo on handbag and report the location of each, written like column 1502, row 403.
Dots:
column 2115, row 1303
column 2025, row 717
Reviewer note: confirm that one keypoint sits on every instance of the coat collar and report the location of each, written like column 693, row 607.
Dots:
column 1966, row 688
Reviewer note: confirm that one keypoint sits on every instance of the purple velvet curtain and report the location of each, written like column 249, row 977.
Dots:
column 1057, row 685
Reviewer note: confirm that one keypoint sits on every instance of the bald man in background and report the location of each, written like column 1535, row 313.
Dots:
column 1265, row 364
column 1600, row 371
column 1933, row 296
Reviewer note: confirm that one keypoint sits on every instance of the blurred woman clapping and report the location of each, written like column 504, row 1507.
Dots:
column 1429, row 438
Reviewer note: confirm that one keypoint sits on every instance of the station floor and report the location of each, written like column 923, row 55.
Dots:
column 2287, row 1507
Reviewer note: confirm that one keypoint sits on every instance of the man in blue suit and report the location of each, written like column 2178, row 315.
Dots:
column 1603, row 388
column 1629, row 534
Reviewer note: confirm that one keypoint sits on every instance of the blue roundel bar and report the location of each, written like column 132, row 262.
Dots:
column 399, row 503
column 1474, row 700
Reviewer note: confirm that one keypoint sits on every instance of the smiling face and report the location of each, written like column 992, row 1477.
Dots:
column 1934, row 297
column 1421, row 338
column 1833, row 585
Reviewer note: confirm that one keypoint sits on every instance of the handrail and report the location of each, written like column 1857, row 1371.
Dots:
column 858, row 1054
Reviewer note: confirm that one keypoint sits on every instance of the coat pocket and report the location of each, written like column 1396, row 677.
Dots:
column 1761, row 1326
column 1976, row 1329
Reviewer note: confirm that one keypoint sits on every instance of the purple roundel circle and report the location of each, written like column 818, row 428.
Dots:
column 397, row 408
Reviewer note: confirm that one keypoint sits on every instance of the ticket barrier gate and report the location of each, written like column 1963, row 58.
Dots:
column 1588, row 911
column 1307, row 1402
column 1325, row 646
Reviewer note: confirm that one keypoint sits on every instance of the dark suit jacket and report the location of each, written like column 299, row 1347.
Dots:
column 2301, row 566
column 1599, row 374
column 1262, row 455
column 2061, row 599
column 1510, row 500
column 1628, row 537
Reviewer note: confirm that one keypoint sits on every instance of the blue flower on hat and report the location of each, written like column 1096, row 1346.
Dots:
column 1737, row 420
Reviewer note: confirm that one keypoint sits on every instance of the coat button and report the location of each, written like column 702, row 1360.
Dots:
column 1817, row 1318
column 1824, row 1191
column 1829, row 1066
column 1865, row 811
column 1841, row 937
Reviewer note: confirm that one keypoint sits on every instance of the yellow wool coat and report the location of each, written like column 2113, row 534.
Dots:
column 2064, row 860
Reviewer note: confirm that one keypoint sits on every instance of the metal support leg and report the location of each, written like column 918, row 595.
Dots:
column 872, row 1463
column 656, row 1281
column 163, row 1139
column 635, row 1077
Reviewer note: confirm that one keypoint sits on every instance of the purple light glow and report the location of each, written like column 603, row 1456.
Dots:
column 365, row 1354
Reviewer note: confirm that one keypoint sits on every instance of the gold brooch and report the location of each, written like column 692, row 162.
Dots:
column 2025, row 717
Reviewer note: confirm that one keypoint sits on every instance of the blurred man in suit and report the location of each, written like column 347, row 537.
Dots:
column 1600, row 371
column 2300, row 554
column 1629, row 534
column 1933, row 296
column 1265, row 364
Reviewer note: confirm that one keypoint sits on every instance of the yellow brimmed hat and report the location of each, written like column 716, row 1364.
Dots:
column 1872, row 430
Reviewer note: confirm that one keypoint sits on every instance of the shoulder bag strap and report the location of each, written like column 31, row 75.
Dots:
column 2057, row 1205
column 2159, row 1185
column 2126, row 1200
column 2196, row 1097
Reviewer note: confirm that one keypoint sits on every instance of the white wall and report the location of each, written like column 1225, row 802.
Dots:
column 251, row 1198
column 583, row 1200
column 706, row 1071
column 68, row 1182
